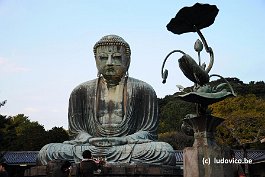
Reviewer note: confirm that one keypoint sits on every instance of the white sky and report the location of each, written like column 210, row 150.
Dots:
column 46, row 47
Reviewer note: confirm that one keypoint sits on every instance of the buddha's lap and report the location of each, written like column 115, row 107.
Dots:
column 62, row 149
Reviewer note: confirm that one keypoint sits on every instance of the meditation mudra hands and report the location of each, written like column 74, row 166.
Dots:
column 115, row 141
column 107, row 141
column 81, row 138
column 84, row 138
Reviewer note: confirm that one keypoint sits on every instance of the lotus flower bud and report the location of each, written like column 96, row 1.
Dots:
column 198, row 46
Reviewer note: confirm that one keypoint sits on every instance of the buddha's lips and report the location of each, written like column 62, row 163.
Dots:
column 110, row 69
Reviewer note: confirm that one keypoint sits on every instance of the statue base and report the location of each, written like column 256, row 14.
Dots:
column 205, row 161
column 121, row 170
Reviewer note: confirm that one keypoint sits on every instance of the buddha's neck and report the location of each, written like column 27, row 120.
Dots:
column 112, row 83
column 114, row 92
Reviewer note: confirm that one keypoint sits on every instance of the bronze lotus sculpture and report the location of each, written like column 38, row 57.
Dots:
column 201, row 125
column 193, row 19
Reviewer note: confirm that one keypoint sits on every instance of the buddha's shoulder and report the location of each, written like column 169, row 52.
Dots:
column 86, row 85
column 139, row 83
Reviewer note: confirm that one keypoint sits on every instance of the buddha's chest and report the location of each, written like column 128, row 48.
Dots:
column 110, row 108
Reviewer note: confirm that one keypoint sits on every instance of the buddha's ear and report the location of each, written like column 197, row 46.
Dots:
column 128, row 62
column 98, row 75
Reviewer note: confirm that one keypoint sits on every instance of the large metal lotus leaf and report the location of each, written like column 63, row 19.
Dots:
column 200, row 15
column 205, row 98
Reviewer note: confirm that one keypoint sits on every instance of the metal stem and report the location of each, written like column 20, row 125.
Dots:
column 207, row 48
column 167, row 58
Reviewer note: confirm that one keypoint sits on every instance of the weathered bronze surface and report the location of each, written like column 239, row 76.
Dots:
column 114, row 116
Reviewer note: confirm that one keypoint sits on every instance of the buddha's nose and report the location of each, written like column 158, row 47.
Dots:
column 110, row 60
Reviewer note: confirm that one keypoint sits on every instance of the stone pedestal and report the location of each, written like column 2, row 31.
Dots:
column 203, row 159
column 199, row 162
column 36, row 171
column 121, row 170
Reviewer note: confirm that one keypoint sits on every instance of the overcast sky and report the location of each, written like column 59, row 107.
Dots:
column 46, row 47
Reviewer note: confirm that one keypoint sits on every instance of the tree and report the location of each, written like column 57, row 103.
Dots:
column 245, row 119
column 3, row 121
column 57, row 135
column 32, row 138
column 21, row 134
column 172, row 110
column 8, row 133
column 177, row 140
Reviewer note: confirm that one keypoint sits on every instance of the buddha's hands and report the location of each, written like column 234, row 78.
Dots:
column 139, row 138
column 108, row 141
column 81, row 138
column 139, row 141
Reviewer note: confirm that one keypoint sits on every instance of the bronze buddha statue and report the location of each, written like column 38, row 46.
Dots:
column 114, row 116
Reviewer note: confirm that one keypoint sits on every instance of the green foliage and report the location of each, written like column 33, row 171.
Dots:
column 245, row 120
column 171, row 112
column 177, row 140
column 3, row 121
column 32, row 138
column 8, row 133
column 57, row 135
column 20, row 134
column 256, row 88
column 244, row 114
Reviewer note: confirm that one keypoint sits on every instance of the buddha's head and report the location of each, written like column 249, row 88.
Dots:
column 113, row 55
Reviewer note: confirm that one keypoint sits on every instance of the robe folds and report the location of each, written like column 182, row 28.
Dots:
column 137, row 130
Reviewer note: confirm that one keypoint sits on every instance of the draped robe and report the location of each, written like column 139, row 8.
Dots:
column 138, row 127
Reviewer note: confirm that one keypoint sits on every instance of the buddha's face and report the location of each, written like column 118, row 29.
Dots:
column 112, row 62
